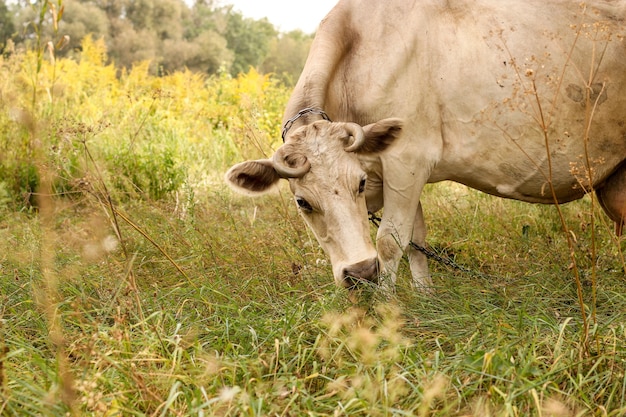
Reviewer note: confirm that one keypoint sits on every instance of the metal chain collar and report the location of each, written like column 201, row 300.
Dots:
column 309, row 110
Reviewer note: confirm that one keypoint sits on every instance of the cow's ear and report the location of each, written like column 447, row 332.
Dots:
column 379, row 135
column 252, row 177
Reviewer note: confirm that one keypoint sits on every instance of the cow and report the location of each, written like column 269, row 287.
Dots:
column 522, row 99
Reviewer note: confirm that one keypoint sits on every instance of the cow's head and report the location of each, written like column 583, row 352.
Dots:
column 323, row 162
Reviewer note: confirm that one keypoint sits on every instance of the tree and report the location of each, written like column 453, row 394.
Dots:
column 82, row 18
column 163, row 17
column 287, row 55
column 207, row 53
column 130, row 46
column 205, row 16
column 147, row 30
column 207, row 37
column 249, row 40
column 208, row 50
column 7, row 27
column 114, row 9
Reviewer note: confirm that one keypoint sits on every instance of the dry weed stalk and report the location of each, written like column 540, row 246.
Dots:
column 527, row 99
column 49, row 297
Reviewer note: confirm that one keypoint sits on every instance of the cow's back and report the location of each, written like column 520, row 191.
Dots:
column 486, row 85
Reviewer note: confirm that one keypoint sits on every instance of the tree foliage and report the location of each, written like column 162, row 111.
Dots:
column 286, row 55
column 249, row 39
column 169, row 34
column 7, row 27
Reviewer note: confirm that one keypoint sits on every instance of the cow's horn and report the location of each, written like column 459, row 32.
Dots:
column 357, row 134
column 300, row 166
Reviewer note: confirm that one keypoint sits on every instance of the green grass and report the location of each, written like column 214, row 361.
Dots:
column 218, row 305
column 255, row 325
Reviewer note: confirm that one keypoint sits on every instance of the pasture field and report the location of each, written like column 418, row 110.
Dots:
column 134, row 283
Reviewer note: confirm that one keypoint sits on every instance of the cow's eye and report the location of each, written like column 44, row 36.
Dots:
column 303, row 204
column 362, row 185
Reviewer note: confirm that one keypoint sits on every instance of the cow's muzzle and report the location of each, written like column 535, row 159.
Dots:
column 366, row 271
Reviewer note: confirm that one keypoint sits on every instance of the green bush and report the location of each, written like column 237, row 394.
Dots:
column 79, row 120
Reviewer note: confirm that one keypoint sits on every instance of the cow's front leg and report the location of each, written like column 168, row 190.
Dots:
column 389, row 254
column 417, row 259
column 394, row 236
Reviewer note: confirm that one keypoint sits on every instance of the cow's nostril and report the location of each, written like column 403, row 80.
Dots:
column 363, row 272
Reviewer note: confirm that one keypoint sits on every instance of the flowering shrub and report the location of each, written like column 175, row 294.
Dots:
column 146, row 135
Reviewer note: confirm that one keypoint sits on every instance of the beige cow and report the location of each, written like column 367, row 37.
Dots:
column 520, row 99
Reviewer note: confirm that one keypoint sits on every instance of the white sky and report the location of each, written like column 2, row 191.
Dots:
column 286, row 15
